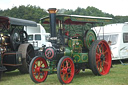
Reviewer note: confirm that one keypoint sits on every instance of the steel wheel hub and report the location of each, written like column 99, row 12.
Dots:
column 37, row 69
column 102, row 57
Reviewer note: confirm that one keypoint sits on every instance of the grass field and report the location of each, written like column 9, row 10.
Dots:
column 118, row 75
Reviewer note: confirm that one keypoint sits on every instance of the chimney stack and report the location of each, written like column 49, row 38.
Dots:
column 52, row 15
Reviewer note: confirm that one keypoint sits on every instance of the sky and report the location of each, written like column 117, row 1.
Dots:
column 115, row 7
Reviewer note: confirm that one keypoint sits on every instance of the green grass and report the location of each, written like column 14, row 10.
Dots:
column 118, row 75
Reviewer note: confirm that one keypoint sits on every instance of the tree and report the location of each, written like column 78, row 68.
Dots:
column 25, row 12
column 34, row 13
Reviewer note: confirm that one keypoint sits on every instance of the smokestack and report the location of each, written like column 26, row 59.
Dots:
column 52, row 15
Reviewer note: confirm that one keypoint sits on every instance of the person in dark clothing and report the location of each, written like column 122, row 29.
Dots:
column 109, row 43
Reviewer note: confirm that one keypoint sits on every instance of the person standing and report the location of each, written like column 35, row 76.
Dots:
column 109, row 43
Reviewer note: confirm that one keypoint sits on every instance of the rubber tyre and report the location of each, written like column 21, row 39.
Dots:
column 66, row 68
column 34, row 69
column 100, row 57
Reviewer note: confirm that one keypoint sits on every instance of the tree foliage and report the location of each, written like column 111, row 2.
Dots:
column 25, row 12
column 34, row 13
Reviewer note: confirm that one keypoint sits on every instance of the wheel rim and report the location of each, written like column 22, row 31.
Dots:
column 103, row 58
column 39, row 64
column 67, row 70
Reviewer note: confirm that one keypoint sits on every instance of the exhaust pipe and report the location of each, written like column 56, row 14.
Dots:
column 52, row 15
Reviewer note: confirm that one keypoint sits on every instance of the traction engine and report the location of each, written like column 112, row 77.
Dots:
column 74, row 48
column 15, row 51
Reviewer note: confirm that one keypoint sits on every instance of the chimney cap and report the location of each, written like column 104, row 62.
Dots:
column 52, row 10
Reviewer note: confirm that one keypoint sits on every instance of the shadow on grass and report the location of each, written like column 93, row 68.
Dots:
column 86, row 73
column 8, row 75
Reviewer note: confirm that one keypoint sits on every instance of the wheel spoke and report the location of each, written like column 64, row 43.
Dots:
column 28, row 55
column 41, row 63
column 62, row 66
column 67, row 63
column 97, row 54
column 98, row 61
column 36, row 64
column 106, row 51
column 39, row 75
column 102, row 44
column 102, row 69
column 29, row 51
column 67, row 76
column 99, row 66
column 105, row 62
column 99, row 49
column 34, row 72
column 62, row 75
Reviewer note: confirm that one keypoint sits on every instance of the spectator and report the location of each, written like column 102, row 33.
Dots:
column 109, row 43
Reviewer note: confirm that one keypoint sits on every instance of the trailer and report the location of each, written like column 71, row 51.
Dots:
column 117, row 33
column 15, row 51
column 74, row 48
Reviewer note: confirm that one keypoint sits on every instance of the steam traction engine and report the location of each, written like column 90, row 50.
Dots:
column 15, row 51
column 74, row 47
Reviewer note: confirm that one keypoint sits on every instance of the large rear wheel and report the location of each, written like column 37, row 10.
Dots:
column 100, row 57
column 65, row 70
column 36, row 74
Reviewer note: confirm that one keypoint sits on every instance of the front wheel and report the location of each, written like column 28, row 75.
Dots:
column 35, row 69
column 65, row 70
column 100, row 57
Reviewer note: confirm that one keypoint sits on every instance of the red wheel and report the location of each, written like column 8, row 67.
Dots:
column 77, row 71
column 35, row 67
column 65, row 70
column 100, row 57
